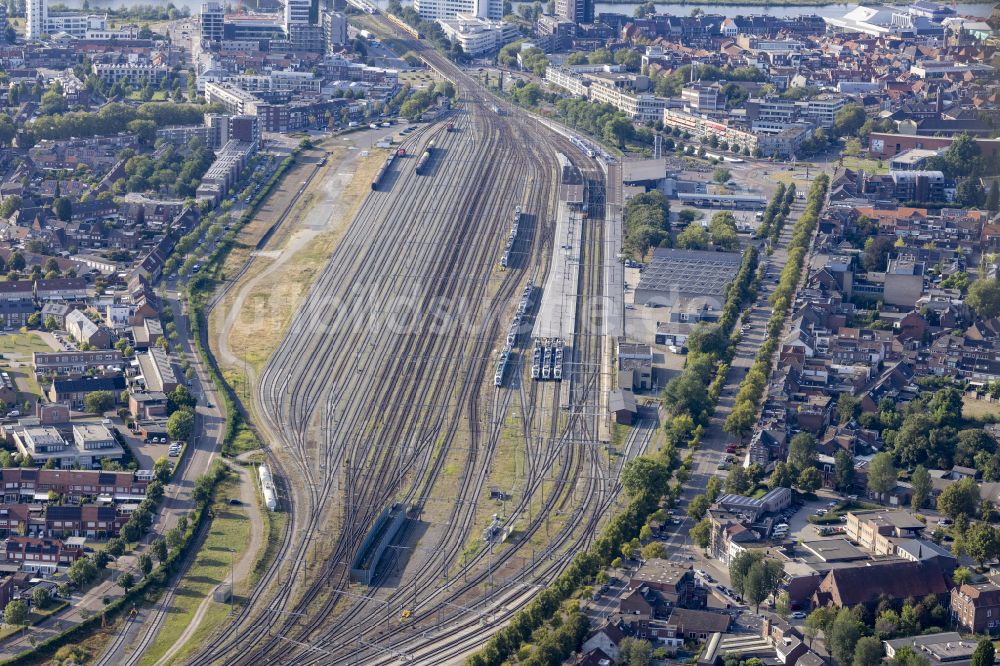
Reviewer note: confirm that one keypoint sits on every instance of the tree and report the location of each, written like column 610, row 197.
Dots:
column 907, row 656
column 802, row 451
column 180, row 398
column 781, row 477
column 145, row 563
column 159, row 549
column 40, row 597
column 962, row 576
column 983, row 297
column 721, row 175
column 98, row 402
column 180, row 424
column 693, row 237
column 993, row 197
column 848, row 407
column 959, row 499
column 126, row 581
column 921, row 482
column 618, row 131
column 10, row 205
column 761, row 580
column 737, row 482
column 701, row 533
column 981, row 542
column 655, row 549
column 875, row 258
column 810, row 480
column 849, row 120
column 882, row 475
column 962, row 156
column 644, row 474
column 16, row 262
column 985, row 653
column 820, row 620
column 740, row 565
column 698, row 507
column 635, row 652
column 867, row 651
column 970, row 193
column 63, row 208
column 783, row 604
column 843, row 637
column 16, row 612
column 843, row 470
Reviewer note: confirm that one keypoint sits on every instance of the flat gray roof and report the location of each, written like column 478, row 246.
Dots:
column 834, row 550
column 691, row 272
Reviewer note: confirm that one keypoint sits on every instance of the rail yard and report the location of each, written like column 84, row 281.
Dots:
column 380, row 405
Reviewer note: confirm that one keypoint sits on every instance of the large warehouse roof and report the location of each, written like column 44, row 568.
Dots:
column 690, row 272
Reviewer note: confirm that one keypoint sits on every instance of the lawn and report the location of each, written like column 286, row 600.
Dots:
column 876, row 167
column 22, row 344
column 972, row 408
column 230, row 529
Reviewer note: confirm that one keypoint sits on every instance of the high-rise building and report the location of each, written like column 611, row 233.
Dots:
column 577, row 11
column 38, row 14
column 334, row 30
column 297, row 13
column 212, row 22
column 431, row 10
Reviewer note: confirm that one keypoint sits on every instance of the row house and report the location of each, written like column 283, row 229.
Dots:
column 28, row 485
column 42, row 555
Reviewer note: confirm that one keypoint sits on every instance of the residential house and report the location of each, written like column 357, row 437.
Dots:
column 40, row 555
column 975, row 607
column 28, row 484
column 61, row 290
column 74, row 391
column 17, row 302
column 697, row 625
column 84, row 331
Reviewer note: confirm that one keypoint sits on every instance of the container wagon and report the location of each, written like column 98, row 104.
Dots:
column 267, row 487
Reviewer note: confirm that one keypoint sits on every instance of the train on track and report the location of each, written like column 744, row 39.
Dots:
column 515, row 329
column 547, row 359
column 404, row 26
column 511, row 238
column 384, row 169
column 425, row 158
column 267, row 487
column 583, row 145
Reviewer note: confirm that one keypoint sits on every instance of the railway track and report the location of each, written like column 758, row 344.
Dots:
column 381, row 410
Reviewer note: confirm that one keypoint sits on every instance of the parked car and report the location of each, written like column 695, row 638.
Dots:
column 798, row 615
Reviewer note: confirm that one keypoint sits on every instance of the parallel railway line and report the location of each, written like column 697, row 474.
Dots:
column 331, row 376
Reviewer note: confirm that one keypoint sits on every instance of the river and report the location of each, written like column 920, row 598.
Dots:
column 964, row 9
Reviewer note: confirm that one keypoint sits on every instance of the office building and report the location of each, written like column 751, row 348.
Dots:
column 212, row 19
column 478, row 36
column 577, row 11
column 432, row 10
column 296, row 13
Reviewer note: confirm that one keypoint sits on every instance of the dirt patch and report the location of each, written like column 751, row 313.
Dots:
column 253, row 317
